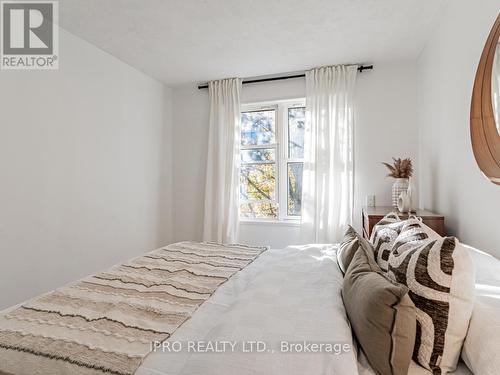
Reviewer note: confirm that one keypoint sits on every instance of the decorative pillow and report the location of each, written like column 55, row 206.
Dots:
column 383, row 235
column 347, row 248
column 440, row 275
column 381, row 314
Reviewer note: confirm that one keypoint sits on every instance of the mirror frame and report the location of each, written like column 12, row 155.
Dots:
column 484, row 134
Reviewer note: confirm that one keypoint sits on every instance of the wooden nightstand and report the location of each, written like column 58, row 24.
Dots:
column 372, row 215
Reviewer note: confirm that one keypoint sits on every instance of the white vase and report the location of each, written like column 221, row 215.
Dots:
column 400, row 185
column 411, row 193
column 404, row 202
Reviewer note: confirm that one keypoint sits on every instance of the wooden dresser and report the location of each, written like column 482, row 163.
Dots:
column 372, row 215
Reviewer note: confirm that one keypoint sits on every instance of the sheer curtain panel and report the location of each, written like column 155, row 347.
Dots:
column 327, row 195
column 221, row 189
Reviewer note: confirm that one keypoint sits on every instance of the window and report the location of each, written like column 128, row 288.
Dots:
column 272, row 156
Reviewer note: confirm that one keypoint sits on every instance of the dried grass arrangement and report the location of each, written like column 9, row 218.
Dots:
column 401, row 168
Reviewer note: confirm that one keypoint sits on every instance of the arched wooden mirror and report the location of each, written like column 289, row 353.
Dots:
column 485, row 108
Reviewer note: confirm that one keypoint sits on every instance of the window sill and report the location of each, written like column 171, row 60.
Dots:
column 287, row 223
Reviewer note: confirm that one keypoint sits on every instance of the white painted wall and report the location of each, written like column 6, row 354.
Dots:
column 84, row 174
column 451, row 182
column 385, row 126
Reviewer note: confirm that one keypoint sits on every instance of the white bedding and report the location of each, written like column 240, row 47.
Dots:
column 290, row 294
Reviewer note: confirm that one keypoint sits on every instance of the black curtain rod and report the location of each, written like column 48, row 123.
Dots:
column 360, row 69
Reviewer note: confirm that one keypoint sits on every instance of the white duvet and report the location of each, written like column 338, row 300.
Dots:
column 288, row 295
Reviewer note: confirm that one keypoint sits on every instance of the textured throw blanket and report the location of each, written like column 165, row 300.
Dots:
column 105, row 324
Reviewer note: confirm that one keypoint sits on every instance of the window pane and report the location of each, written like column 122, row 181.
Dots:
column 259, row 210
column 294, row 189
column 258, row 155
column 258, row 181
column 258, row 127
column 296, row 124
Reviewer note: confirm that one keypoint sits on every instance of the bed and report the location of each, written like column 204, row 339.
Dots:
column 290, row 295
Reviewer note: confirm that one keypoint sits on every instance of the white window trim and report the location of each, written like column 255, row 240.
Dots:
column 281, row 152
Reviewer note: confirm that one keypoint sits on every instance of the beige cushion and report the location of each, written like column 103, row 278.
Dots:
column 347, row 248
column 381, row 314
column 440, row 275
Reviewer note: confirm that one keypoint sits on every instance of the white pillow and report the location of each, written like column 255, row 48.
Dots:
column 481, row 350
column 439, row 272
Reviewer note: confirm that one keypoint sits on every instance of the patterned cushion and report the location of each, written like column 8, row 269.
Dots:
column 440, row 275
column 383, row 236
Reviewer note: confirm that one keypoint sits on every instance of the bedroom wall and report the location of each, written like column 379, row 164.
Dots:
column 85, row 168
column 451, row 182
column 385, row 126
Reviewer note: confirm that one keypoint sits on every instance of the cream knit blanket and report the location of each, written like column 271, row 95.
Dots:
column 105, row 324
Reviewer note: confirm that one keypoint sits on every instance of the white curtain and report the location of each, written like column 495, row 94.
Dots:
column 221, row 189
column 327, row 190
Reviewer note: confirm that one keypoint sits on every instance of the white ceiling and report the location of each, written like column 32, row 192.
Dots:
column 181, row 41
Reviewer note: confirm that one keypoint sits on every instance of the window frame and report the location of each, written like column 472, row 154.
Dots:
column 281, row 156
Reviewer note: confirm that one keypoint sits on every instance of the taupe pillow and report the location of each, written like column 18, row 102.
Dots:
column 381, row 314
column 347, row 248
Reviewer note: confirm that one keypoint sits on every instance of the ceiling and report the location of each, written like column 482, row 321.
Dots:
column 185, row 41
